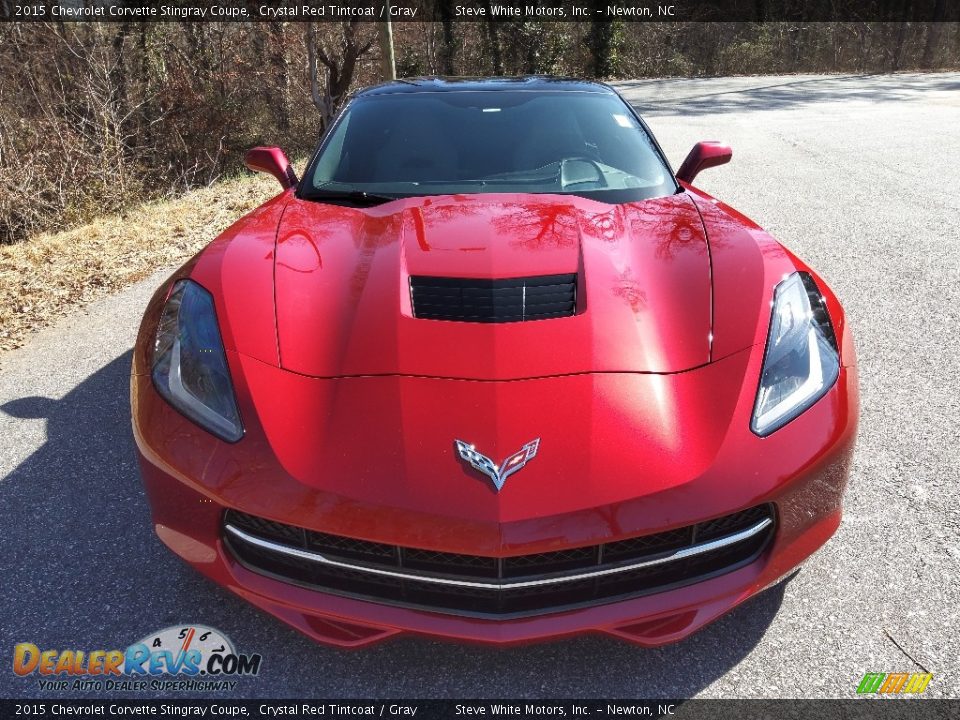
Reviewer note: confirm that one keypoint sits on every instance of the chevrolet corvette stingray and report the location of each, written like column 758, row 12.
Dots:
column 491, row 371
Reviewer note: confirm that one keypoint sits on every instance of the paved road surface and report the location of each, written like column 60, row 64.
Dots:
column 858, row 175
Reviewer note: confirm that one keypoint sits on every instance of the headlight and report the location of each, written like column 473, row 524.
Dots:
column 801, row 361
column 189, row 364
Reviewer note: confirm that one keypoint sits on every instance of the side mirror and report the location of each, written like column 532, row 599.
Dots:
column 706, row 154
column 271, row 160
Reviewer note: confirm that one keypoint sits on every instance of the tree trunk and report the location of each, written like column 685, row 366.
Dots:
column 493, row 40
column 898, row 49
column 600, row 40
column 339, row 66
column 146, row 111
column 448, row 51
column 933, row 35
column 278, row 59
column 118, row 70
column 321, row 98
column 901, row 34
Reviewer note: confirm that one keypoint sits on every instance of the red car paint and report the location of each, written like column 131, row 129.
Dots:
column 273, row 161
column 343, row 272
column 642, row 401
column 706, row 154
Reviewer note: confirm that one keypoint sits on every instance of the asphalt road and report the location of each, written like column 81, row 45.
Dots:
column 858, row 175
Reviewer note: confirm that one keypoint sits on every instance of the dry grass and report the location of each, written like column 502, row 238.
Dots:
column 50, row 274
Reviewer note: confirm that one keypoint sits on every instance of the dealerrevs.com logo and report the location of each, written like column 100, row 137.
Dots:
column 183, row 657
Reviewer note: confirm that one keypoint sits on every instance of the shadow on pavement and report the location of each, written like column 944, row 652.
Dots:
column 83, row 570
column 779, row 96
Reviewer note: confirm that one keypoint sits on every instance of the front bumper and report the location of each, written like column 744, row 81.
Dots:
column 801, row 471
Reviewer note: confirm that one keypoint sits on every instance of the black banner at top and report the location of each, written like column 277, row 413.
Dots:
column 480, row 10
column 583, row 709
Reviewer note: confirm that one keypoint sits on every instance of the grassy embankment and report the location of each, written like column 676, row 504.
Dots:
column 48, row 275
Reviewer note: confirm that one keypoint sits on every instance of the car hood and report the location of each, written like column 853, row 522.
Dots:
column 343, row 303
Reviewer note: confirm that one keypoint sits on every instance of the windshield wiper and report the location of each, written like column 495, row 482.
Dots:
column 354, row 197
column 471, row 181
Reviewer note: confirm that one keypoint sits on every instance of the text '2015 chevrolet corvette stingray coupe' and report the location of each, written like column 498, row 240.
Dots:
column 489, row 371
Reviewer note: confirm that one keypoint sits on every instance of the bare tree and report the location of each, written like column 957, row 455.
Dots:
column 278, row 59
column 99, row 116
column 933, row 34
column 339, row 65
column 493, row 40
column 449, row 49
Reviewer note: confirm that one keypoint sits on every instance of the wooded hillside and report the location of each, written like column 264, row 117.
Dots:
column 98, row 116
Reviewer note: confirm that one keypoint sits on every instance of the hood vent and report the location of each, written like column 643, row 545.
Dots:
column 510, row 300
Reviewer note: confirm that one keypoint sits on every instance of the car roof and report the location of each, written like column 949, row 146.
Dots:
column 541, row 83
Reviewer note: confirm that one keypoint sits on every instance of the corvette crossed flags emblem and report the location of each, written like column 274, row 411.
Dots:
column 497, row 473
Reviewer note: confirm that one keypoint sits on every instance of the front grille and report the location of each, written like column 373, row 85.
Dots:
column 512, row 300
column 499, row 587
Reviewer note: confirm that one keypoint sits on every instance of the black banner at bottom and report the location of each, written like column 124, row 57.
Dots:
column 855, row 709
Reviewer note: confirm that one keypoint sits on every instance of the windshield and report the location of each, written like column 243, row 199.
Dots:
column 413, row 144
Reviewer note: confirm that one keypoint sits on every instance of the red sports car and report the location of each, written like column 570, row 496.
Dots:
column 490, row 371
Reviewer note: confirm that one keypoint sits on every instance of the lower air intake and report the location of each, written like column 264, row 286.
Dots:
column 482, row 586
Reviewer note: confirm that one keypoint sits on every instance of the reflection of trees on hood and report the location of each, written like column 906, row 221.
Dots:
column 539, row 225
column 629, row 289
